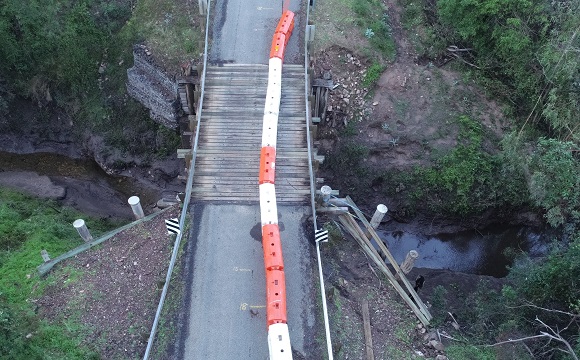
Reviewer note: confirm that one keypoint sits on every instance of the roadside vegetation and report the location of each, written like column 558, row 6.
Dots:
column 27, row 227
column 373, row 30
column 72, row 56
column 524, row 56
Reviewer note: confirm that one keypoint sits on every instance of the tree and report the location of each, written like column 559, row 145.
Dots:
column 554, row 182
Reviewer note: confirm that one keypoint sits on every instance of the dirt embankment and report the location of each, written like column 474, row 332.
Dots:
column 43, row 154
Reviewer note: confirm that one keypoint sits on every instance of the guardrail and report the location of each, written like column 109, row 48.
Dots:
column 312, row 184
column 187, row 194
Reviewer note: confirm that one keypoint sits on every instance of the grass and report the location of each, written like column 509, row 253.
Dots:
column 41, row 225
column 169, row 30
column 470, row 352
column 360, row 25
column 372, row 75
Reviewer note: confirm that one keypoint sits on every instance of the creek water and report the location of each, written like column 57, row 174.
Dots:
column 89, row 188
column 482, row 252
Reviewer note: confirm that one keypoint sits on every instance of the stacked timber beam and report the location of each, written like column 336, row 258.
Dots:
column 363, row 237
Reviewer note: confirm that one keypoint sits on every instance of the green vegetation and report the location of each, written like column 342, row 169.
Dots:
column 372, row 18
column 371, row 38
column 554, row 180
column 469, row 352
column 372, row 75
column 464, row 181
column 74, row 54
column 27, row 227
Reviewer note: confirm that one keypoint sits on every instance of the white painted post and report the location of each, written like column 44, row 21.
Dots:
column 409, row 261
column 82, row 229
column 44, row 255
column 136, row 207
column 379, row 215
column 310, row 29
column 326, row 191
column 202, row 6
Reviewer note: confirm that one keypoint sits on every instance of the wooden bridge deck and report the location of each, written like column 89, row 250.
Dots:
column 230, row 137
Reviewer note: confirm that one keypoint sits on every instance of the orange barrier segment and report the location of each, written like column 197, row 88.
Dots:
column 276, row 297
column 273, row 259
column 278, row 46
column 286, row 25
column 267, row 165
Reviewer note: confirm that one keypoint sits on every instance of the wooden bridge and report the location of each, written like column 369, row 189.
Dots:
column 230, row 135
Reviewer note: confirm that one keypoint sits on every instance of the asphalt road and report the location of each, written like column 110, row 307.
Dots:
column 225, row 301
column 242, row 31
column 227, row 318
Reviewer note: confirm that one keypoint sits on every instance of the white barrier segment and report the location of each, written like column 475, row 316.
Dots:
column 275, row 69
column 269, row 134
column 272, row 103
column 268, row 207
column 271, row 119
column 274, row 92
column 279, row 342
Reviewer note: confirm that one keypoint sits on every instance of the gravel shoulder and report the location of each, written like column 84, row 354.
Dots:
column 110, row 293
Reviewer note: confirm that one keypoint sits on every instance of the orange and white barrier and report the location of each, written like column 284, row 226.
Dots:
column 276, row 315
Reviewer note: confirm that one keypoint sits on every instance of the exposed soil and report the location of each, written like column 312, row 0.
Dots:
column 405, row 120
column 408, row 119
column 113, row 289
column 396, row 332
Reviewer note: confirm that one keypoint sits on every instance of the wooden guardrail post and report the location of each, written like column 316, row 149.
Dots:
column 379, row 215
column 82, row 229
column 326, row 192
column 409, row 261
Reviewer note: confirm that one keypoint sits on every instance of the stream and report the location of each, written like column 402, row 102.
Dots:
column 481, row 252
column 86, row 186
column 92, row 191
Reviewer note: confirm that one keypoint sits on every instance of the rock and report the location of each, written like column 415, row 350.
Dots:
column 29, row 335
column 375, row 103
column 436, row 345
column 154, row 88
column 430, row 336
column 32, row 184
column 346, row 100
column 441, row 357
column 418, row 353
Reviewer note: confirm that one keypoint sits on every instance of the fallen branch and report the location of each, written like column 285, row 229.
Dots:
column 465, row 61
column 553, row 335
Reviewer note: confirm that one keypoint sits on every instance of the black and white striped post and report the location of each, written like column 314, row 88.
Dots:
column 321, row 235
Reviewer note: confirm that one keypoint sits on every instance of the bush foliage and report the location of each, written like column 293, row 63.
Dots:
column 27, row 227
